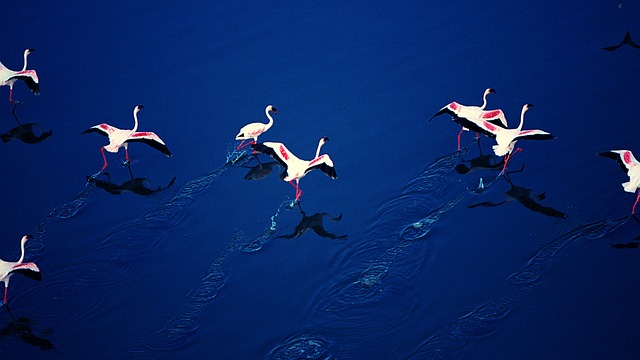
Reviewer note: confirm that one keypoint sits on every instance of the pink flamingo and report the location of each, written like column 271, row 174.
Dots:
column 8, row 268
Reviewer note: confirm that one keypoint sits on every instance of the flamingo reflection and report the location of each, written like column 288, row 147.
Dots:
column 524, row 196
column 313, row 222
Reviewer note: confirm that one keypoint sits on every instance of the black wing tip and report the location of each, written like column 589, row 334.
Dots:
column 608, row 154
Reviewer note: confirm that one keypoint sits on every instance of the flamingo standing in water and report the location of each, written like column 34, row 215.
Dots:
column 296, row 168
column 9, row 77
column 505, row 138
column 631, row 167
column 474, row 113
column 8, row 268
column 253, row 130
column 119, row 138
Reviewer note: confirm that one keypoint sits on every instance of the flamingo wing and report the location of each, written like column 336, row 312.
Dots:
column 495, row 117
column 102, row 129
column 534, row 135
column 32, row 83
column 325, row 165
column 480, row 126
column 451, row 109
column 625, row 159
column 28, row 269
column 277, row 151
column 150, row 139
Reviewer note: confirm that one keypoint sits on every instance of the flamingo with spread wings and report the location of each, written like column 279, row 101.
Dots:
column 296, row 168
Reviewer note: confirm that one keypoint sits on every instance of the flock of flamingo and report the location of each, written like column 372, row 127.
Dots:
column 491, row 123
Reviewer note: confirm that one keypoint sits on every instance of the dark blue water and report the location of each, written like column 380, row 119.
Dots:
column 540, row 264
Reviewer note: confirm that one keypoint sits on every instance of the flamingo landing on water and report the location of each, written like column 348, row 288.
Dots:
column 474, row 113
column 296, row 168
column 631, row 167
column 8, row 268
column 505, row 138
column 121, row 138
column 253, row 130
column 9, row 77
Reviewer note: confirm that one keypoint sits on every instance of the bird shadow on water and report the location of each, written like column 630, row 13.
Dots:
column 524, row 196
column 135, row 185
column 262, row 170
column 29, row 133
column 315, row 223
column 22, row 329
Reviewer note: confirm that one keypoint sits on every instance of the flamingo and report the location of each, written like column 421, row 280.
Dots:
column 253, row 130
column 505, row 138
column 474, row 113
column 631, row 167
column 121, row 138
column 296, row 168
column 8, row 268
column 9, row 77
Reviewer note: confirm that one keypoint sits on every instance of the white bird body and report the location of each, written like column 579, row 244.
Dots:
column 253, row 130
column 8, row 77
column 505, row 138
column 631, row 167
column 8, row 268
column 474, row 113
column 120, row 138
column 296, row 168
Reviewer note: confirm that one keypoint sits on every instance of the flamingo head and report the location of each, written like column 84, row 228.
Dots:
column 25, row 238
column 527, row 106
column 139, row 107
column 272, row 108
column 28, row 51
column 324, row 140
column 489, row 91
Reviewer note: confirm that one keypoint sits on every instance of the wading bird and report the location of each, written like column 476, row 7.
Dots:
column 505, row 138
column 631, row 167
column 474, row 113
column 121, row 138
column 296, row 168
column 8, row 268
column 253, row 130
column 9, row 77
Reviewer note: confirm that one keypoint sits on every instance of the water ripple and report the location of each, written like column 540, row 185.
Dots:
column 449, row 341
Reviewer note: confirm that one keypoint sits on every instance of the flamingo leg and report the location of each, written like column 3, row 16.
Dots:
column 633, row 210
column 242, row 144
column 105, row 159
column 15, row 105
column 11, row 94
column 6, row 289
column 460, row 133
column 298, row 191
column 507, row 158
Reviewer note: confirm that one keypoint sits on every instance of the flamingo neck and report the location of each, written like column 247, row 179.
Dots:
column 135, row 120
column 22, row 250
column 484, row 100
column 270, row 123
column 26, row 53
column 319, row 147
column 524, row 110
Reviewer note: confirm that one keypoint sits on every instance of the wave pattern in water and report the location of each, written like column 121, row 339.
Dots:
column 175, row 333
column 303, row 347
column 109, row 264
column 345, row 308
column 448, row 342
